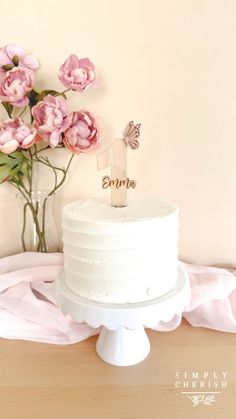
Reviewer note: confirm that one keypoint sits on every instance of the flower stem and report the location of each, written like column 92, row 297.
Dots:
column 8, row 108
column 25, row 189
column 63, row 178
column 43, row 223
column 23, row 227
column 45, row 161
column 30, row 176
column 34, row 212
column 65, row 91
column 22, row 112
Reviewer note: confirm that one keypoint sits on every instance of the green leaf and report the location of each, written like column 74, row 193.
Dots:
column 24, row 169
column 32, row 96
column 4, row 159
column 17, row 155
column 4, row 173
column 44, row 93
column 13, row 164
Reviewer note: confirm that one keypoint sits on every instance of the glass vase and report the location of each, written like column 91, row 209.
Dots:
column 38, row 233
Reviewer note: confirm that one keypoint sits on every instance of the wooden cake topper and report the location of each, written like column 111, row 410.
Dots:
column 115, row 156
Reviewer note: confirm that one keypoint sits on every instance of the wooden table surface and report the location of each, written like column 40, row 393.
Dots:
column 70, row 382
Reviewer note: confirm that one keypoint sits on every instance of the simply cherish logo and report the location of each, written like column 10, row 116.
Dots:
column 201, row 387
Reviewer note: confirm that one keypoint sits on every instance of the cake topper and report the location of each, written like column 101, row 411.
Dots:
column 115, row 156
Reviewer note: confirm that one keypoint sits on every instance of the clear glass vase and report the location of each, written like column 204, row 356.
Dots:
column 39, row 233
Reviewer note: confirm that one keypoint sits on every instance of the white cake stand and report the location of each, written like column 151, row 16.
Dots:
column 123, row 340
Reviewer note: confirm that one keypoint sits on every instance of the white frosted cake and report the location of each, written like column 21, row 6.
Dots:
column 120, row 255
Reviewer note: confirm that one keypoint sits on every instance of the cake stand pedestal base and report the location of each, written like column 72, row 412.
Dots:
column 123, row 340
column 123, row 346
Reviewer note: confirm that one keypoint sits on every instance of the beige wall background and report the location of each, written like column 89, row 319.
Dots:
column 169, row 64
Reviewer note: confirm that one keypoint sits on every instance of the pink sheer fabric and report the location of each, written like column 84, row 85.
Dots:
column 28, row 310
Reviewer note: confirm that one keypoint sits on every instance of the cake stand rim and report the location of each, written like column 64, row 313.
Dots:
column 113, row 316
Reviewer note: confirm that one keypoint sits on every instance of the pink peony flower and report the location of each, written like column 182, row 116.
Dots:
column 83, row 134
column 15, row 84
column 77, row 74
column 15, row 134
column 51, row 116
column 8, row 53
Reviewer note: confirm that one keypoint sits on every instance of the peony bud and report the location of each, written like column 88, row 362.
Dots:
column 7, row 67
column 15, row 60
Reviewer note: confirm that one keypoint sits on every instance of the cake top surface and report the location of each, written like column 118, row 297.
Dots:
column 98, row 210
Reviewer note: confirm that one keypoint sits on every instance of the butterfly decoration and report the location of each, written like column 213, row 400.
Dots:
column 131, row 135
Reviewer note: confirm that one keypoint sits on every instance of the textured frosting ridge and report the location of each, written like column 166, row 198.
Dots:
column 120, row 255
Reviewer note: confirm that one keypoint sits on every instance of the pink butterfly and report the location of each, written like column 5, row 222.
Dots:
column 131, row 135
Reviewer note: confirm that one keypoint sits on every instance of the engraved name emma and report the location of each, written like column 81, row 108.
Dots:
column 107, row 182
